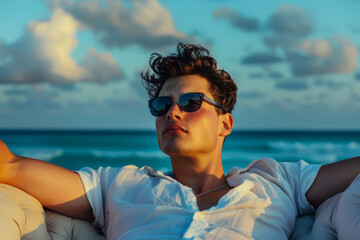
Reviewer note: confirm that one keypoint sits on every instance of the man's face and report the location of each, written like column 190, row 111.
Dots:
column 188, row 133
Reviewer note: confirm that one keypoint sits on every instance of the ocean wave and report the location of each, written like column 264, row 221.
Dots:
column 244, row 157
column 48, row 154
column 312, row 147
column 44, row 154
column 128, row 154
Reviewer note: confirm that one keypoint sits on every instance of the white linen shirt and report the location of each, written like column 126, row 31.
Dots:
column 133, row 203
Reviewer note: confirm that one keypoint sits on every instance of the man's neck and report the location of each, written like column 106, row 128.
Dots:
column 200, row 173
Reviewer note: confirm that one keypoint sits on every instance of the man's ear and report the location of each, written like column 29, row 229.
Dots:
column 227, row 124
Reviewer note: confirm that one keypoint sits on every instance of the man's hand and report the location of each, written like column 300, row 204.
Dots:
column 57, row 188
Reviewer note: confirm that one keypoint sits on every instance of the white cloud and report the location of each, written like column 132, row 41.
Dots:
column 101, row 66
column 43, row 54
column 289, row 20
column 238, row 20
column 55, row 40
column 324, row 57
column 122, row 23
column 291, row 31
column 317, row 48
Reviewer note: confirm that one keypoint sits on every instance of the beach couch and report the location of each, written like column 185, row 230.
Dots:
column 23, row 217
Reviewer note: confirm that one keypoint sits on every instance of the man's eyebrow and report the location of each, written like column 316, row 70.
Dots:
column 170, row 96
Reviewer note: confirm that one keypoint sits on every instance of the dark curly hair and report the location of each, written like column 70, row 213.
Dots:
column 190, row 60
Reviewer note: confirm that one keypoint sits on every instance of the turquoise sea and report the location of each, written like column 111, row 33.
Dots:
column 76, row 149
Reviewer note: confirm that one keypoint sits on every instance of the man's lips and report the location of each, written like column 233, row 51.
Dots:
column 174, row 129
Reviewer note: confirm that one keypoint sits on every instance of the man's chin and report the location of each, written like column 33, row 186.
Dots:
column 174, row 150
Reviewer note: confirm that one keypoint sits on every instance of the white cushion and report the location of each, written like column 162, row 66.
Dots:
column 61, row 227
column 25, row 211
column 21, row 215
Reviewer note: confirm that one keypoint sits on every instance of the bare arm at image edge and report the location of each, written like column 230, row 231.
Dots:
column 333, row 178
column 57, row 188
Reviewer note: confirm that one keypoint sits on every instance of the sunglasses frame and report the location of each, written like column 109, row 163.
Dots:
column 203, row 97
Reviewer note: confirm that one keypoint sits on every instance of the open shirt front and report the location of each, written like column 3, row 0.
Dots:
column 137, row 203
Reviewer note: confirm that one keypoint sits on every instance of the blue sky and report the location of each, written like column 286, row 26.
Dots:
column 75, row 64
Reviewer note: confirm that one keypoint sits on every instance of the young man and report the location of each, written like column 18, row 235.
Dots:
column 192, row 102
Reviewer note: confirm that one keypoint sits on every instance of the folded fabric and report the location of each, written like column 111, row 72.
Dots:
column 23, row 217
column 19, row 209
column 336, row 218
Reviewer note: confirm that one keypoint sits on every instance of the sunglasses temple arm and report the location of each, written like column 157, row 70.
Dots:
column 213, row 102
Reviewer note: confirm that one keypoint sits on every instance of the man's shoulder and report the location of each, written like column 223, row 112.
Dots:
column 263, row 164
column 270, row 164
column 125, row 170
column 271, row 169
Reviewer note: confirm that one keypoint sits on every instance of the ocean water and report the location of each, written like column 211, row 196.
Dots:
column 77, row 149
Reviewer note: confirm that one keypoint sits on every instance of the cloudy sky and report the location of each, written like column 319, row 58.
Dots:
column 75, row 64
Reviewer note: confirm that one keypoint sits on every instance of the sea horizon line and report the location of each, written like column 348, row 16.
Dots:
column 126, row 130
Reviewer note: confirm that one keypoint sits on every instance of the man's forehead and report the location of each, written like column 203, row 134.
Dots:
column 184, row 84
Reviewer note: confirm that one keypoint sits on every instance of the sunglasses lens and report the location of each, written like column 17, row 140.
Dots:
column 190, row 102
column 159, row 106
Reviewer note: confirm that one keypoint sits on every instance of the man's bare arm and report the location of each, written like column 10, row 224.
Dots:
column 55, row 187
column 333, row 178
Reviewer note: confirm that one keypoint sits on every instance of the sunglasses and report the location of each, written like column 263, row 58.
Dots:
column 188, row 102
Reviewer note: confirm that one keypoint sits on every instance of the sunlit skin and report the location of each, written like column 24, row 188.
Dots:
column 194, row 140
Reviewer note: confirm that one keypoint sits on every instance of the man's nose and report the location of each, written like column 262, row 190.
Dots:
column 174, row 112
